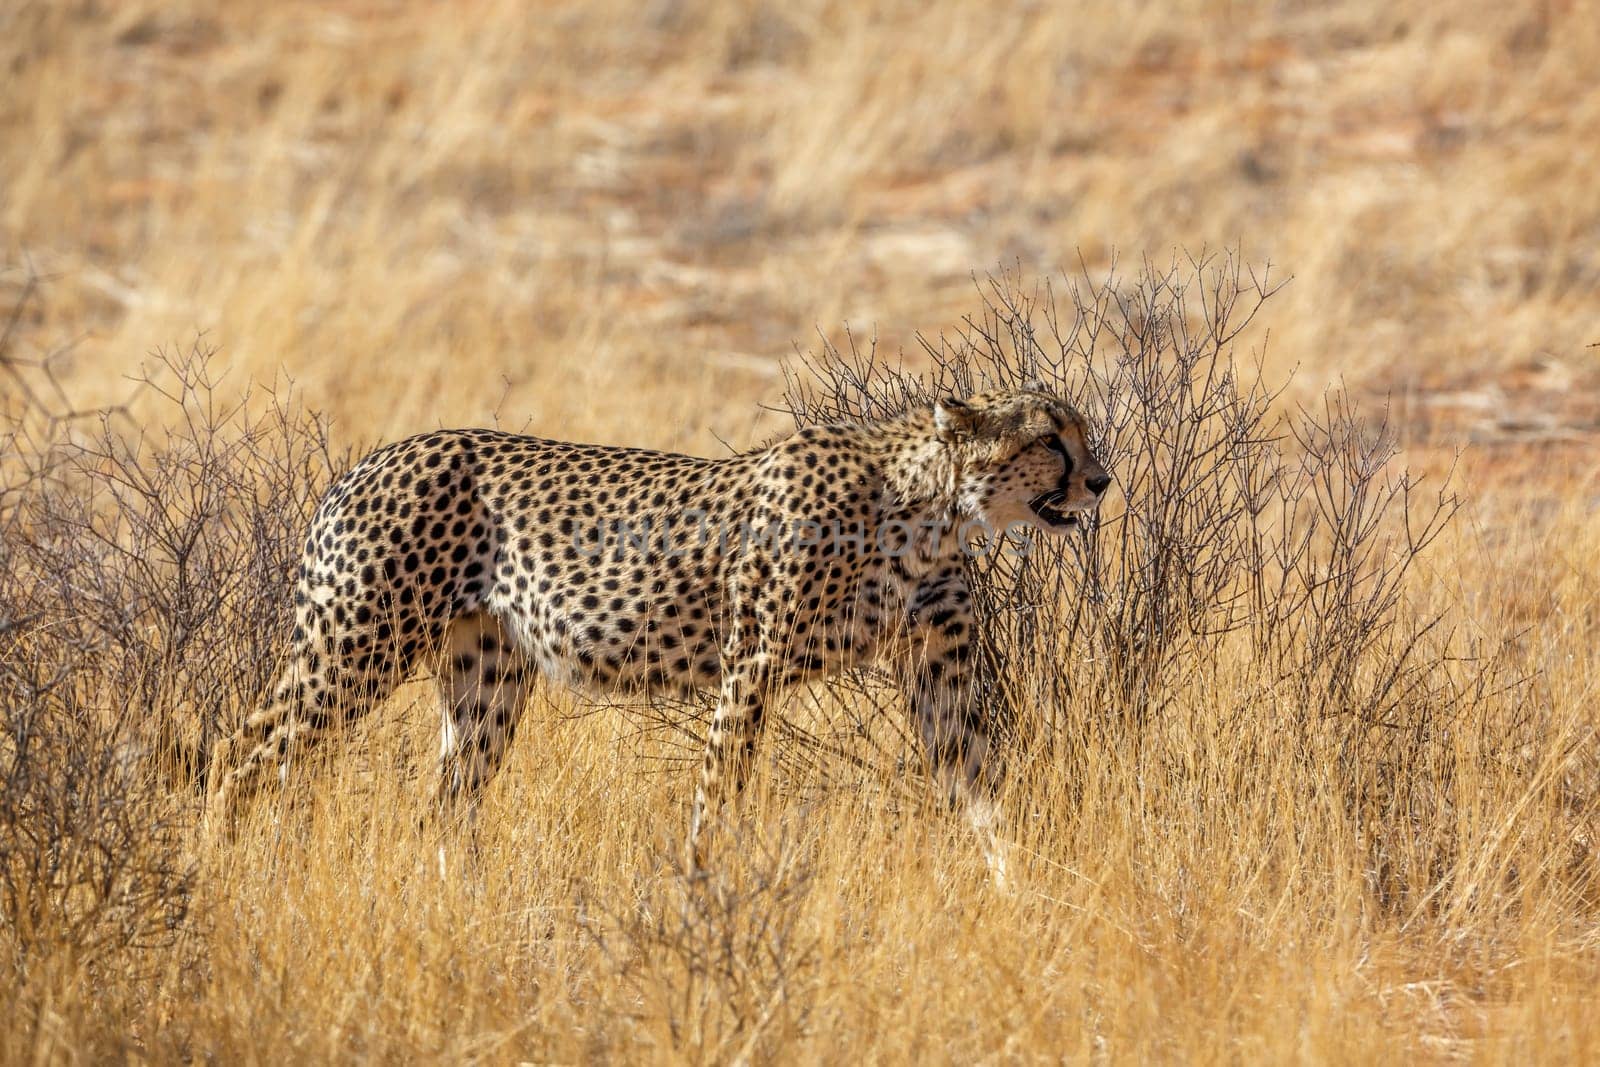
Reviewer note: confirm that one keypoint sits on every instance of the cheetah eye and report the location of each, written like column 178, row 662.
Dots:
column 1054, row 444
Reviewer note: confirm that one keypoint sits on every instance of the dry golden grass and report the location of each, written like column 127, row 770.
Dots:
column 611, row 222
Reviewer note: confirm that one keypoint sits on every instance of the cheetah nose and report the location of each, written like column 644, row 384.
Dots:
column 1098, row 484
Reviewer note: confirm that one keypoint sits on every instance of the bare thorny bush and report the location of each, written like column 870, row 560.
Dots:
column 719, row 960
column 1234, row 531
column 142, row 569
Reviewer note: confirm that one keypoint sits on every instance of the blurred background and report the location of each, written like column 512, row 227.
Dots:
column 613, row 221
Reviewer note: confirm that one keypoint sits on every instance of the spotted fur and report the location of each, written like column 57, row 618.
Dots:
column 489, row 550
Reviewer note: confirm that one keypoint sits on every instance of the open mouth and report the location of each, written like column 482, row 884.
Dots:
column 1048, row 507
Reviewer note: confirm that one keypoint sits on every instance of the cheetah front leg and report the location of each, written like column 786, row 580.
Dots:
column 730, row 746
column 937, row 671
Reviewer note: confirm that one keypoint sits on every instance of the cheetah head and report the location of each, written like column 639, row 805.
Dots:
column 1021, row 457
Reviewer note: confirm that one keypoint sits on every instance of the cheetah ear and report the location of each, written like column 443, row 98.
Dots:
column 1034, row 385
column 954, row 419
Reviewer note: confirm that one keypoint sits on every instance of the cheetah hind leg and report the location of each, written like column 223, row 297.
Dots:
column 313, row 696
column 483, row 684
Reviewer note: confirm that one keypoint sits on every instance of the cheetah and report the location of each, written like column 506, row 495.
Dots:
column 509, row 556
